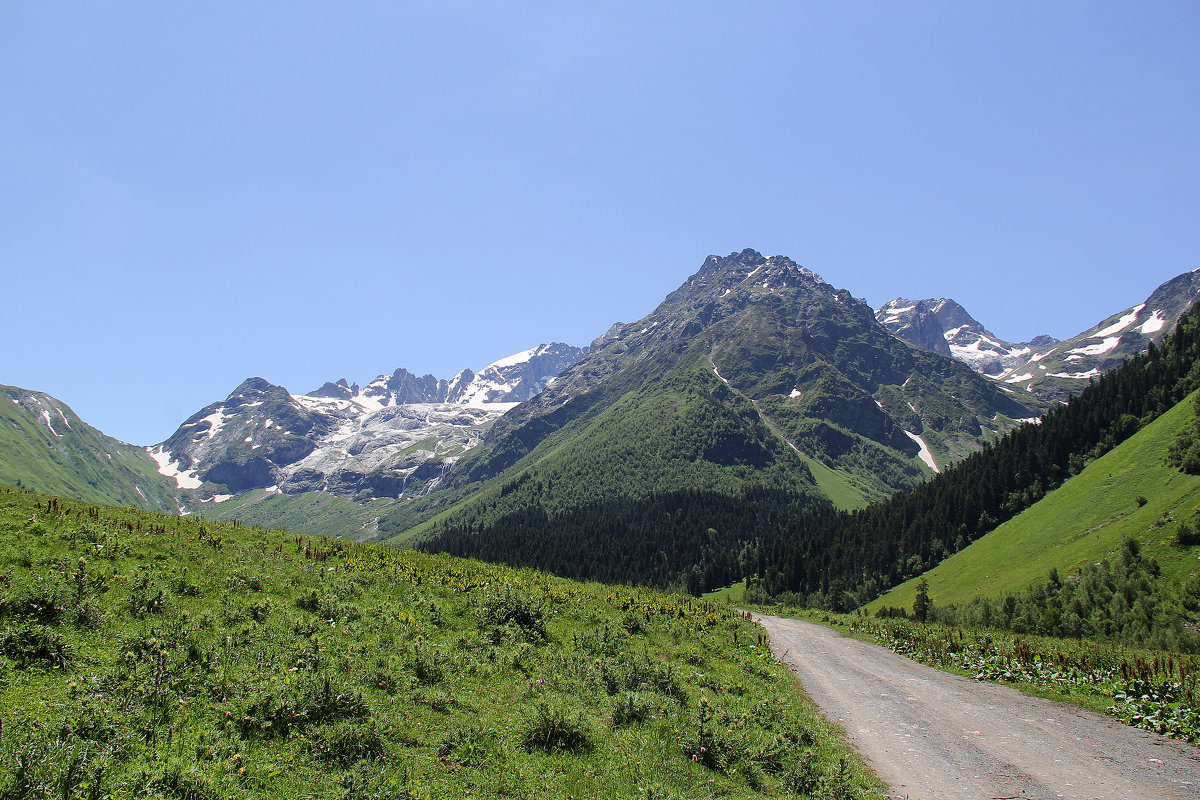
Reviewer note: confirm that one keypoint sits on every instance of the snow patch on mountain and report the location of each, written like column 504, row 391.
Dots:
column 1121, row 324
column 1078, row 376
column 1155, row 324
column 523, row 357
column 215, row 420
column 1106, row 346
column 171, row 468
column 925, row 454
column 46, row 418
column 398, row 434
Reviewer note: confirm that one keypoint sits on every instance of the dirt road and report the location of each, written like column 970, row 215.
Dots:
column 929, row 734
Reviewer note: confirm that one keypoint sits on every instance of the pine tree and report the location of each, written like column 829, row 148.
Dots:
column 922, row 603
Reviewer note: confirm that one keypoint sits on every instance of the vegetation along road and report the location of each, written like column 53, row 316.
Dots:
column 930, row 734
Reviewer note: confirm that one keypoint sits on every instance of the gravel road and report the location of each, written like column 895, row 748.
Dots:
column 929, row 734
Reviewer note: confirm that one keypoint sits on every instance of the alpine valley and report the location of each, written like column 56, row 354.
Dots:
column 754, row 396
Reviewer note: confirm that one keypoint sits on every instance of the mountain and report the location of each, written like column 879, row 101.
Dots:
column 845, row 559
column 945, row 327
column 754, row 376
column 46, row 446
column 397, row 435
column 1052, row 370
column 807, row 360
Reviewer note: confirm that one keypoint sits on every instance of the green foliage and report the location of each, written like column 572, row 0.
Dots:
column 35, row 644
column 1083, row 522
column 1119, row 598
column 1184, row 452
column 224, row 661
column 921, row 604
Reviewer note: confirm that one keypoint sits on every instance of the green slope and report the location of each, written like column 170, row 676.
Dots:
column 1083, row 521
column 686, row 432
column 144, row 655
column 317, row 513
column 46, row 447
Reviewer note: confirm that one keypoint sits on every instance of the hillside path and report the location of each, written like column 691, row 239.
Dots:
column 929, row 734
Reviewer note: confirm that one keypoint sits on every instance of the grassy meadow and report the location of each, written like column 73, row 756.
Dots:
column 153, row 656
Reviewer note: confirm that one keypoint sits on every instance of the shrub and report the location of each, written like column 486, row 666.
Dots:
column 709, row 746
column 512, row 608
column 472, row 746
column 631, row 708
column 45, row 602
column 426, row 667
column 176, row 781
column 554, row 730
column 347, row 742
column 34, row 766
column 271, row 718
column 147, row 598
column 30, row 644
column 1186, row 535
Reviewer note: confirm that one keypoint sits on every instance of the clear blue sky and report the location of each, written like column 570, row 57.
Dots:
column 193, row 193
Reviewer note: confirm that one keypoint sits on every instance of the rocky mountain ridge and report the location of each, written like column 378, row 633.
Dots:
column 398, row 434
column 1050, row 369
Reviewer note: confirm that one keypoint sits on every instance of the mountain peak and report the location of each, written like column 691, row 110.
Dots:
column 349, row 440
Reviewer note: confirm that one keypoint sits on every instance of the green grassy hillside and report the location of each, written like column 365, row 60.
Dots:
column 147, row 655
column 46, row 447
column 1083, row 521
column 317, row 513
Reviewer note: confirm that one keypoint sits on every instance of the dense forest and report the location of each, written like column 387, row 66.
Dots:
column 690, row 538
column 839, row 560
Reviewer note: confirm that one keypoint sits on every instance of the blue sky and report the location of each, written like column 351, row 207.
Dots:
column 194, row 193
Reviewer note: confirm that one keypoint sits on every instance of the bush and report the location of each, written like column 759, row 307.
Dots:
column 472, row 746
column 1186, row 535
column 554, row 730
column 631, row 708
column 271, row 718
column 512, row 608
column 30, row 644
column 147, row 598
column 709, row 746
column 346, row 743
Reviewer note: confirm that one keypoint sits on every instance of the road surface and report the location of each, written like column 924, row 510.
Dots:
column 932, row 735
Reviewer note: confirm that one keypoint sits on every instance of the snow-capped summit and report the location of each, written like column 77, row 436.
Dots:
column 945, row 327
column 396, row 435
column 1043, row 366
